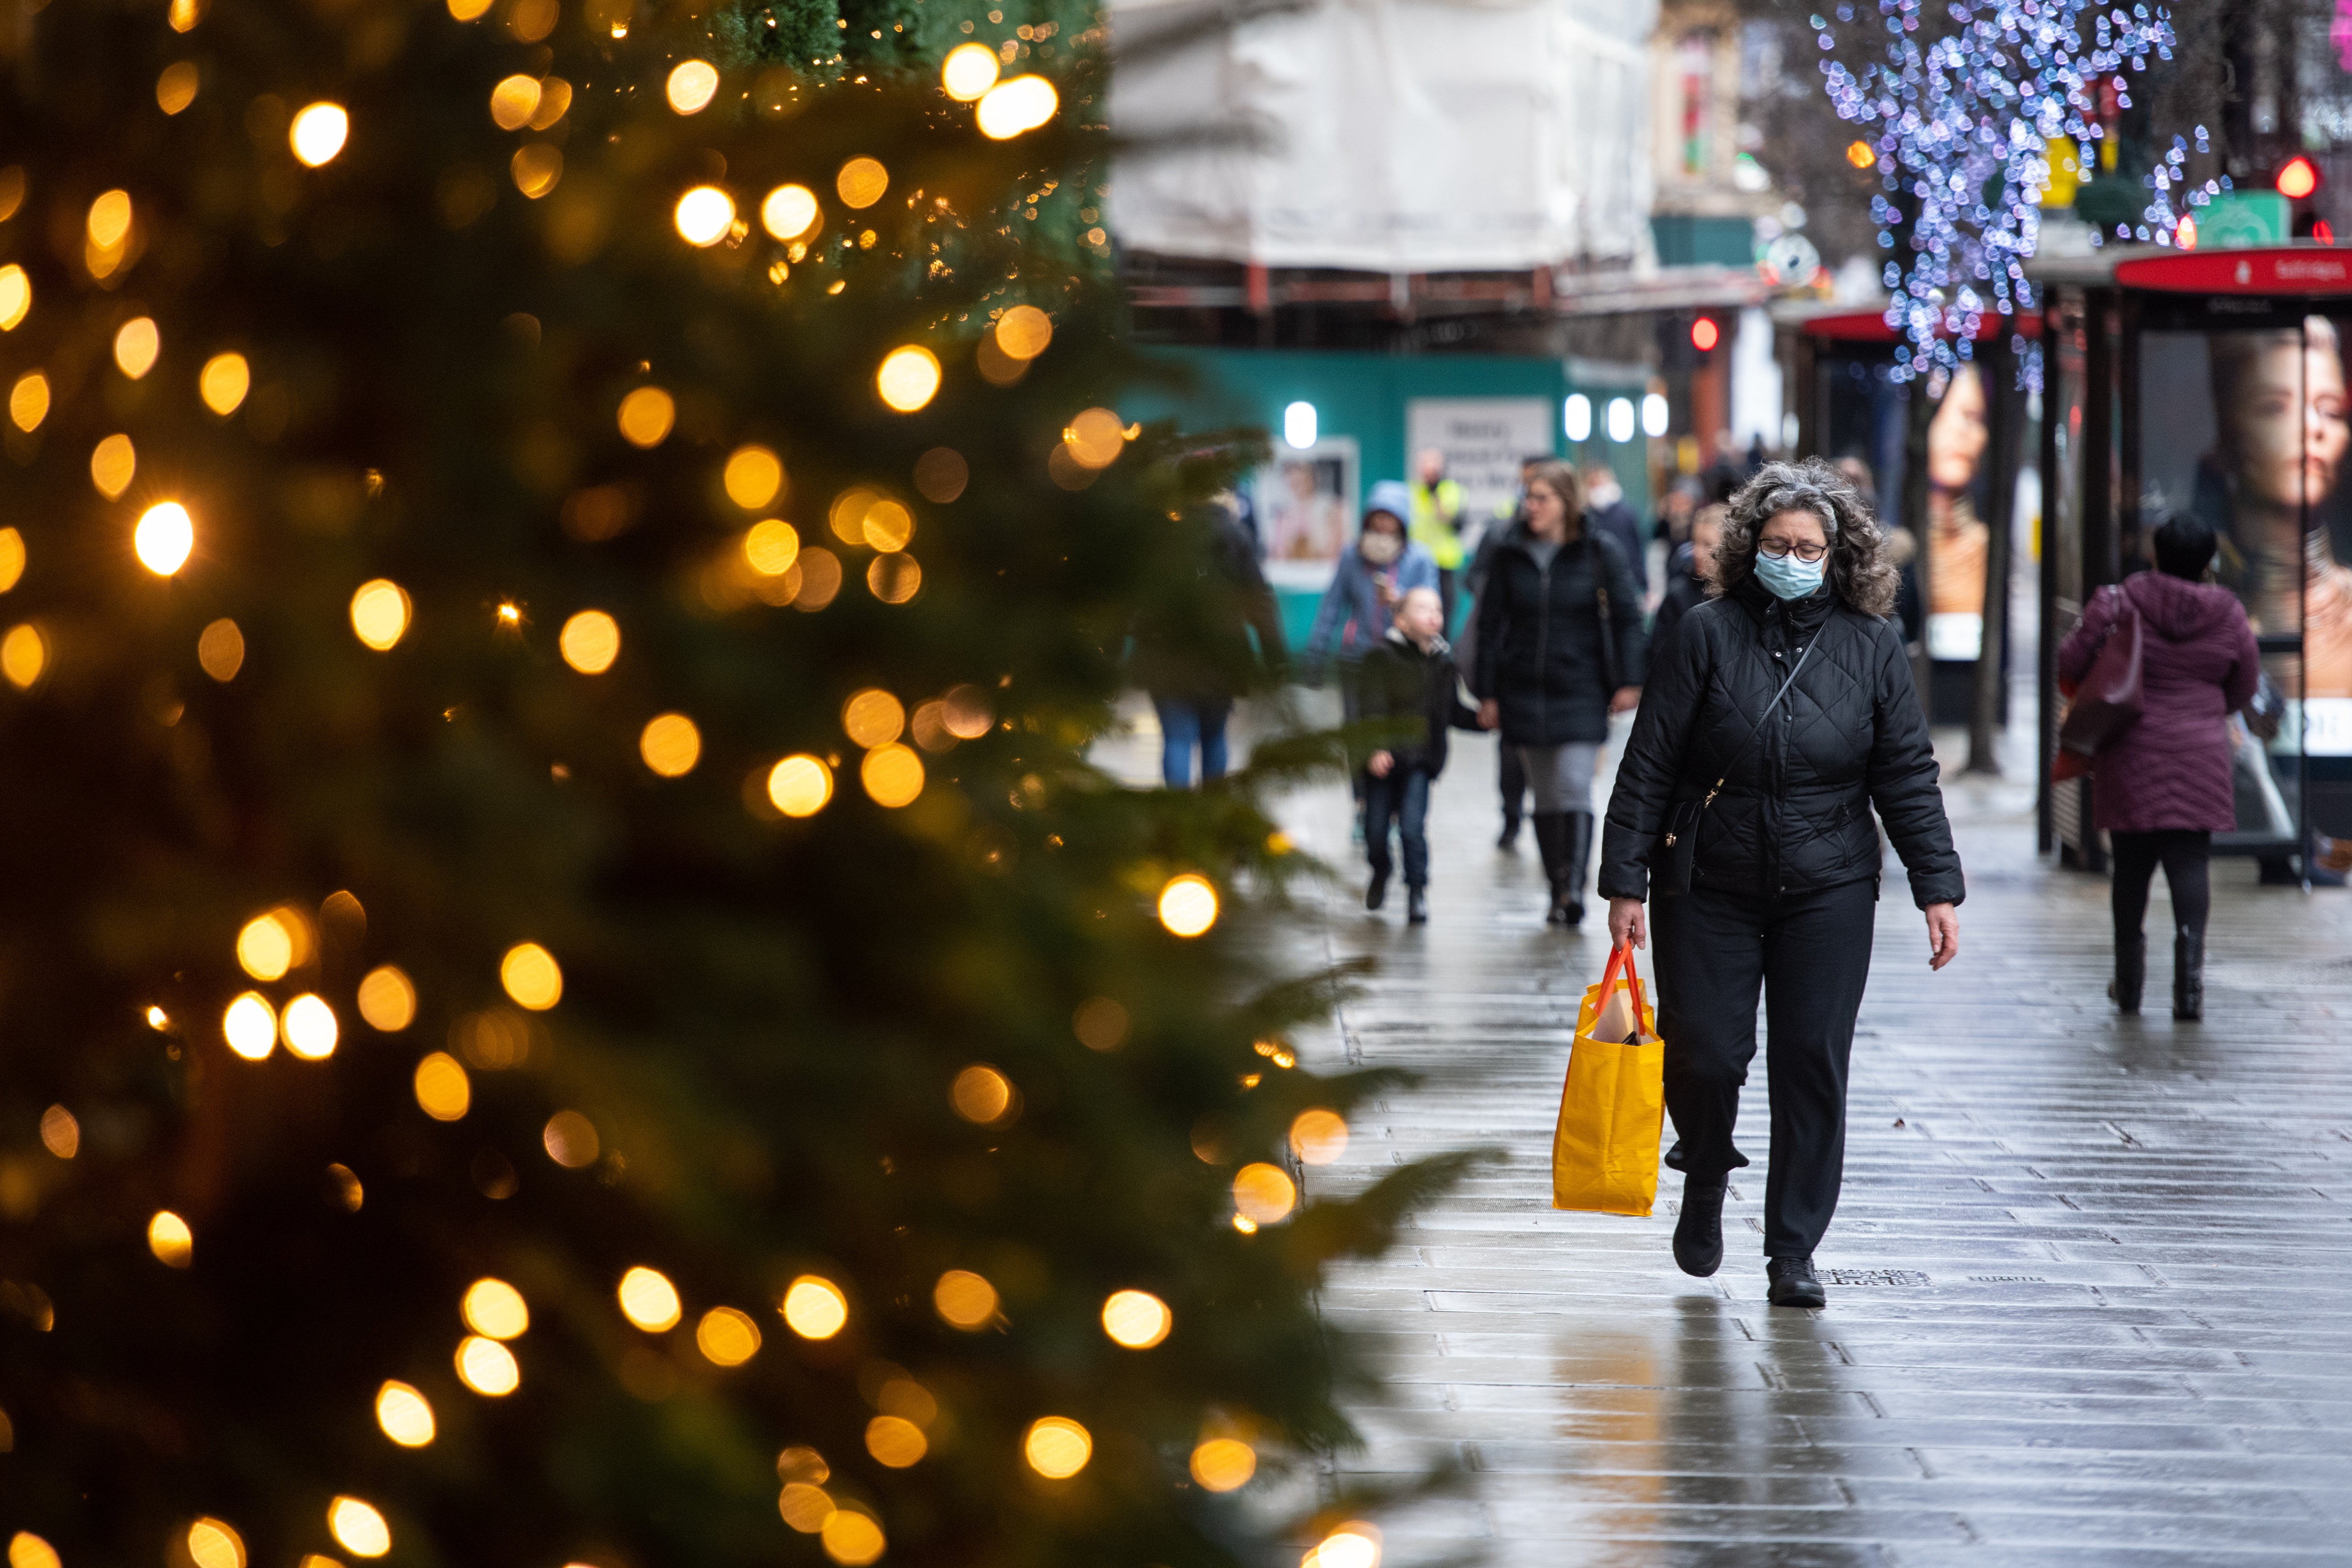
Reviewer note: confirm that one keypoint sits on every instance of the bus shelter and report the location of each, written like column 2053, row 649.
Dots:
column 2212, row 384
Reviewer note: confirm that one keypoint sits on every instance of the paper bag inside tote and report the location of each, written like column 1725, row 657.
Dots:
column 1616, row 1024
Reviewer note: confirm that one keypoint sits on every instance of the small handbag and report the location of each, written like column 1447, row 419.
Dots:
column 2109, row 700
column 1678, row 853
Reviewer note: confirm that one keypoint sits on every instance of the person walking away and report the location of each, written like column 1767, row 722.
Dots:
column 2161, row 789
column 1405, row 691
column 1510, row 778
column 1781, row 715
column 1437, row 522
column 1686, row 577
column 1606, row 511
column 1193, row 674
column 1560, row 648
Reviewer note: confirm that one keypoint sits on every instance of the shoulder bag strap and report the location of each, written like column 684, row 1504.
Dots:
column 1741, row 755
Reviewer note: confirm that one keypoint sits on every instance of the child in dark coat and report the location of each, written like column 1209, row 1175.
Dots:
column 1406, row 700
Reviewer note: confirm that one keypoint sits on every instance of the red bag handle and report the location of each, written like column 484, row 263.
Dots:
column 1623, row 955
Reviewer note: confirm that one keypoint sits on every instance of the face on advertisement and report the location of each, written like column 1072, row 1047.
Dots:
column 2284, row 420
column 1957, row 435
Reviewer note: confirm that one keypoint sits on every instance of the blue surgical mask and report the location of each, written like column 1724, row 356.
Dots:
column 1786, row 577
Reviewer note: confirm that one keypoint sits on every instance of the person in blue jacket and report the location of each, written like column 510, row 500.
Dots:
column 1372, row 579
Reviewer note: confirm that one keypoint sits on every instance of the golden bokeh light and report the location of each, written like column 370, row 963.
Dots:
column 250, row 1026
column 804, row 1504
column 1095, row 438
column 704, row 215
column 513, row 101
column 648, row 1300
column 800, row 785
column 646, row 415
column 691, row 86
column 570, row 1140
column 1100, row 1024
column 964, row 1300
column 137, row 343
column 887, row 525
column 771, row 547
column 224, row 381
column 16, row 296
column 468, row 10
column 358, row 1526
column 801, row 1463
column 1861, row 154
column 1023, row 333
column 861, row 181
column 727, row 1337
column 1188, row 905
column 380, row 612
column 164, row 537
column 405, row 1416
column 531, row 976
column 1223, row 1464
column 1264, row 1194
column 220, row 650
column 789, row 211
column 847, row 514
column 442, row 1091
column 28, row 401
column 214, row 1543
column 851, row 1538
column 27, row 1550
column 1137, row 1318
column 12, row 558
column 266, row 946
column 24, row 654
column 109, row 224
column 60, row 1132
column 388, row 998
column 814, row 1308
column 981, row 1094
column 113, row 463
column 895, row 1442
column 1057, row 1447
column 908, row 379
column 969, row 71
column 754, row 476
column 970, row 714
column 319, row 133
column 1010, row 107
column 1319, row 1137
column 892, row 774
column 536, row 167
column 176, row 87
column 169, row 1238
column 590, row 641
column 488, row 1367
column 670, row 745
column 894, row 578
column 1353, row 1545
column 494, row 1309
column 873, row 717
column 308, row 1027
column 941, row 474
column 554, row 102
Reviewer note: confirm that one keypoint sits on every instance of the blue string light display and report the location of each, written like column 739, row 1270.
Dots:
column 1961, row 128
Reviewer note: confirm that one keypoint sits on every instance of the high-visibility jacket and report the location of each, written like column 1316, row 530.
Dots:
column 1437, row 522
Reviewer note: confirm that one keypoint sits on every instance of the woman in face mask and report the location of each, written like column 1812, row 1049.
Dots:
column 1369, row 582
column 1781, row 715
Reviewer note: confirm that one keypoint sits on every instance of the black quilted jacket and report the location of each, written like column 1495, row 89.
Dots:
column 1544, row 654
column 1794, row 813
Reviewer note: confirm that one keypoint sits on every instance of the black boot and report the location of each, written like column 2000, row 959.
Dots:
column 1569, row 887
column 2189, row 974
column 1551, row 846
column 1377, row 893
column 1698, row 1230
column 2131, row 973
column 1416, row 906
column 1509, row 838
column 1789, row 1283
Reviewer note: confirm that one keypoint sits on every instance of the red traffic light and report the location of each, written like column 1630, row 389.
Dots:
column 1706, row 334
column 2298, row 178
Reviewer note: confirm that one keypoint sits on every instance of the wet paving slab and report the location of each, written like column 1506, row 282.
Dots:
column 2086, row 1301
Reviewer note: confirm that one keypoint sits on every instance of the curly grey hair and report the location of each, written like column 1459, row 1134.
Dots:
column 1860, row 573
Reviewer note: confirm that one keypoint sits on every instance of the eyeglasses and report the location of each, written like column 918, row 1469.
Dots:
column 1808, row 553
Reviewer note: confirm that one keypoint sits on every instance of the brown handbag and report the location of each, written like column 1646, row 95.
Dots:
column 2110, row 700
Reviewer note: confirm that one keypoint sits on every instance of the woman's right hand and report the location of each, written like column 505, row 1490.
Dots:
column 1490, row 713
column 1629, row 926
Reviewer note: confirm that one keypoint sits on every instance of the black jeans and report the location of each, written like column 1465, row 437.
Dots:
column 1809, row 954
column 1511, row 781
column 2186, row 856
column 1403, row 797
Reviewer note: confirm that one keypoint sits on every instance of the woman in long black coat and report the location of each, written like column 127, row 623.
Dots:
column 1786, row 864
column 1560, row 648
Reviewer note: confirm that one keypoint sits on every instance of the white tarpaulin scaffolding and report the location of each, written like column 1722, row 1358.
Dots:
column 1391, row 135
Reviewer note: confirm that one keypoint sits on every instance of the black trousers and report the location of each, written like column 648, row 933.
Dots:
column 1809, row 955
column 2187, row 858
column 1511, row 781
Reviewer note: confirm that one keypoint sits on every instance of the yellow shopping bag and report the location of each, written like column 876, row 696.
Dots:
column 1604, row 1154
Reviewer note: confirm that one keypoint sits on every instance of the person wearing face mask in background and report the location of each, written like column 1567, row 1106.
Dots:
column 1369, row 583
column 1781, row 715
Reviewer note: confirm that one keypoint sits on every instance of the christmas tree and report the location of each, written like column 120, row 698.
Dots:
column 568, row 993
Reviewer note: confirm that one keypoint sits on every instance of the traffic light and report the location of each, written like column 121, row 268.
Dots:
column 2299, row 180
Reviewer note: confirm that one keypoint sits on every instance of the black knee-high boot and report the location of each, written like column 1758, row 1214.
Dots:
column 1568, row 888
column 2131, row 972
column 1552, row 846
column 2189, row 974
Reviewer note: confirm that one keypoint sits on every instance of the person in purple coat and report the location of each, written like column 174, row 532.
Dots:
column 2162, row 788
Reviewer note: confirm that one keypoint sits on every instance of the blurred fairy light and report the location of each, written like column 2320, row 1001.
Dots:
column 704, row 215
column 650, row 1300
column 28, row 401
column 1223, row 1464
column 1057, row 1447
column 1963, row 131
column 800, row 785
column 590, row 641
column 308, row 1027
column 163, row 538
column 789, row 211
column 488, row 1367
column 113, row 463
column 1264, row 1194
column 136, row 345
column 909, row 377
column 814, row 1308
column 442, row 1091
column 24, row 654
column 212, row 1543
column 753, row 476
column 27, row 1550
column 405, row 1415
column 1353, row 1545
column 969, row 71
column 1137, row 1318
column 169, row 1238
column 670, row 745
column 388, row 999
column 1022, row 104
column 358, row 1526
column 531, row 976
column 646, row 415
column 16, row 296
column 224, row 381
column 250, row 1026
column 319, row 133
column 380, row 613
column 176, row 87
column 964, row 1299
column 1188, row 906
column 727, row 1336
column 495, row 1310
column 691, row 86
column 1319, row 1137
